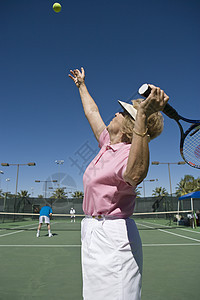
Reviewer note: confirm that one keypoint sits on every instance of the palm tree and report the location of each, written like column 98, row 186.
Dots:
column 187, row 185
column 197, row 182
column 78, row 194
column 24, row 195
column 40, row 196
column 59, row 193
column 159, row 192
column 138, row 193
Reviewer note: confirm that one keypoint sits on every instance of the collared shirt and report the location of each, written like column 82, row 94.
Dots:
column 105, row 191
column 45, row 211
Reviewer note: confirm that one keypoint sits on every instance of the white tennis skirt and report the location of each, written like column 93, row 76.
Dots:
column 111, row 259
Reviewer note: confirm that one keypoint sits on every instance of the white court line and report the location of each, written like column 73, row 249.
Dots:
column 45, row 246
column 10, row 233
column 192, row 231
column 78, row 246
column 22, row 226
column 159, row 245
column 189, row 230
column 6, row 234
column 14, row 232
column 14, row 228
column 170, row 228
column 172, row 233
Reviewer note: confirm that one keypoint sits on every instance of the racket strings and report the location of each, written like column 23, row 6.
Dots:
column 191, row 148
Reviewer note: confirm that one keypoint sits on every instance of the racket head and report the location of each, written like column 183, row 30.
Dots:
column 190, row 146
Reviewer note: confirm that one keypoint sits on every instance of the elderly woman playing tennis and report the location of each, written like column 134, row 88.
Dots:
column 111, row 245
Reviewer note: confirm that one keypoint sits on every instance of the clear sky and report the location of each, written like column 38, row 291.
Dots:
column 121, row 44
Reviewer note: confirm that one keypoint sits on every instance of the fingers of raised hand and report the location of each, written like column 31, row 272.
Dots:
column 70, row 76
column 83, row 71
column 76, row 72
column 72, row 72
column 157, row 93
column 161, row 96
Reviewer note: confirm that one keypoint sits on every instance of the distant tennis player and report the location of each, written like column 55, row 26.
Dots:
column 72, row 213
column 45, row 214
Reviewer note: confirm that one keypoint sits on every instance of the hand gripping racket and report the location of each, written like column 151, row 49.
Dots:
column 190, row 139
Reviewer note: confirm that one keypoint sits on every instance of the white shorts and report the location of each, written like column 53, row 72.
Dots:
column 44, row 219
column 111, row 259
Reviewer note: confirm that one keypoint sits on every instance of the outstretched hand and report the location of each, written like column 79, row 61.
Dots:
column 78, row 76
column 156, row 101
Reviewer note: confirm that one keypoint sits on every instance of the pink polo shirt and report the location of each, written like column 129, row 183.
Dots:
column 105, row 191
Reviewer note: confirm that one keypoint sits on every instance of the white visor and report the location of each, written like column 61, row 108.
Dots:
column 129, row 109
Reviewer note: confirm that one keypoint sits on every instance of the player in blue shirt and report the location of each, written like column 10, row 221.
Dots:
column 45, row 214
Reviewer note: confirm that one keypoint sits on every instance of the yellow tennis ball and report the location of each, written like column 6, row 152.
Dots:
column 57, row 7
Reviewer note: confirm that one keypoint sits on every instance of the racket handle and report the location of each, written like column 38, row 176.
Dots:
column 168, row 110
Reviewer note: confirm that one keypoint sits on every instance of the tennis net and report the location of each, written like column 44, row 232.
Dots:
column 29, row 221
column 151, row 220
column 167, row 219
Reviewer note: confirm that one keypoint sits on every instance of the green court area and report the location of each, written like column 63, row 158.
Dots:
column 50, row 268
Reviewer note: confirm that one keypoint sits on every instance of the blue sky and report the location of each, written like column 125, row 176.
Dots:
column 121, row 44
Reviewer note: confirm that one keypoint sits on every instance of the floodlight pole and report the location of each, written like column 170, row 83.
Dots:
column 45, row 188
column 144, row 185
column 7, row 180
column 7, row 165
column 168, row 163
column 17, row 179
column 59, row 162
column 1, row 172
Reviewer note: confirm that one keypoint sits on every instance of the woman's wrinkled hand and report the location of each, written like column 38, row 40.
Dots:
column 156, row 101
column 78, row 76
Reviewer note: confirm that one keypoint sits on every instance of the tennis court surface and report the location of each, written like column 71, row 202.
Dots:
column 50, row 268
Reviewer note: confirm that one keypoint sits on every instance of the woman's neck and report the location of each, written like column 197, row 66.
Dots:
column 115, row 138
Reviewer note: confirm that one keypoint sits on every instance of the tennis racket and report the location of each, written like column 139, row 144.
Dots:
column 190, row 139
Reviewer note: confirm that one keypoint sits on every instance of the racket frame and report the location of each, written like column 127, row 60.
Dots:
column 169, row 111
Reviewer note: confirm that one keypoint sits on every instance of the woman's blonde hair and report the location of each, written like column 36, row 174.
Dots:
column 155, row 124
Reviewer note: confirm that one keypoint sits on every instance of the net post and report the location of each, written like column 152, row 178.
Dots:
column 195, row 221
column 178, row 213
